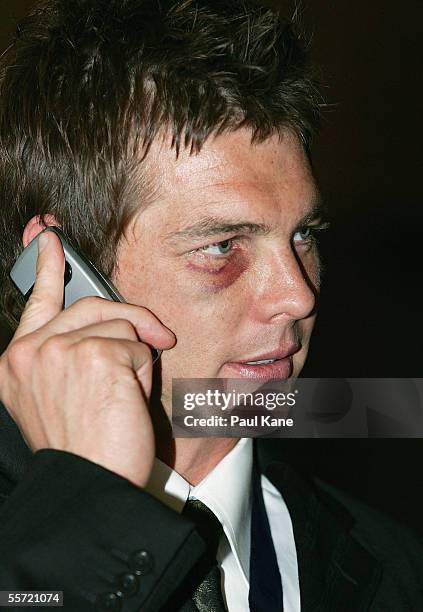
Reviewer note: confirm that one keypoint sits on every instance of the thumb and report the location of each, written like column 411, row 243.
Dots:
column 46, row 300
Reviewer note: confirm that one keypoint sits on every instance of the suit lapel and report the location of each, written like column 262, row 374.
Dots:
column 335, row 571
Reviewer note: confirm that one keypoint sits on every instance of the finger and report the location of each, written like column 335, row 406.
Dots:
column 46, row 300
column 116, row 329
column 92, row 311
column 135, row 357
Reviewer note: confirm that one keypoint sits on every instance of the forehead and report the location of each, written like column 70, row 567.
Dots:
column 231, row 175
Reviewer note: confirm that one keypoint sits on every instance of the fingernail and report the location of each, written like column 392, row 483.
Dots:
column 42, row 242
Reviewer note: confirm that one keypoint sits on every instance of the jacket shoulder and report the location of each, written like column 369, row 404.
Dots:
column 398, row 548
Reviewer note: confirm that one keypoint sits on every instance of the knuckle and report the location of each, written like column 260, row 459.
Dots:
column 18, row 354
column 90, row 302
column 93, row 352
column 40, row 302
column 54, row 347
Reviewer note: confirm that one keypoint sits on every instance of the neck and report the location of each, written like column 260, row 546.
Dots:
column 194, row 458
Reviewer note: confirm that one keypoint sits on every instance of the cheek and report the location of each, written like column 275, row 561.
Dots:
column 213, row 307
column 194, row 301
column 213, row 281
column 312, row 267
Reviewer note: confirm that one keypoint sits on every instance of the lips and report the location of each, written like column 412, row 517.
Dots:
column 281, row 369
column 278, row 365
column 276, row 354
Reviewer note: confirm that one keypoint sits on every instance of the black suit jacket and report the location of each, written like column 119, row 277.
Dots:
column 70, row 525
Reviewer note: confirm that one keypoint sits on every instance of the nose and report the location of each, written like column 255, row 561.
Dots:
column 287, row 289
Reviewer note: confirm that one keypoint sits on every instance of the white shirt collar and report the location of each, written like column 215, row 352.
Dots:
column 226, row 490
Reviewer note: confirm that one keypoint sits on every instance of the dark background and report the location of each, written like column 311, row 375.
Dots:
column 369, row 165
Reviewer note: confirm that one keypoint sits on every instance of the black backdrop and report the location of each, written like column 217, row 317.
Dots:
column 369, row 166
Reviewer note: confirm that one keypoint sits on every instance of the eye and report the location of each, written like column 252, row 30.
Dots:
column 218, row 248
column 303, row 234
column 310, row 233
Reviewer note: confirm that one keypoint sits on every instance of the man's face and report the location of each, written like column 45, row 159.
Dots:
column 223, row 258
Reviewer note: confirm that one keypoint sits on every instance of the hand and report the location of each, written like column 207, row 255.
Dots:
column 79, row 380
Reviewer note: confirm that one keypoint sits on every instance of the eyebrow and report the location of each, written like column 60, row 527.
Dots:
column 213, row 226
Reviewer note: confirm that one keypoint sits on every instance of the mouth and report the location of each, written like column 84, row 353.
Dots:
column 274, row 365
column 264, row 361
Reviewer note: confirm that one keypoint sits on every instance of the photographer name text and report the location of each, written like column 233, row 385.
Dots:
column 236, row 421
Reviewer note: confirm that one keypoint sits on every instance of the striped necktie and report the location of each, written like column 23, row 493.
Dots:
column 207, row 597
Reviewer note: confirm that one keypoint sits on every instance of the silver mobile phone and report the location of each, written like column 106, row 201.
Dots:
column 82, row 278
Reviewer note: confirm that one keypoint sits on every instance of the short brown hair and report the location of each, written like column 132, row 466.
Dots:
column 87, row 84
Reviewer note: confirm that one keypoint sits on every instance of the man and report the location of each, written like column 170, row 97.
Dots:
column 170, row 141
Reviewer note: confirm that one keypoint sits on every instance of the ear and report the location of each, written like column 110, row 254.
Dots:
column 35, row 226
